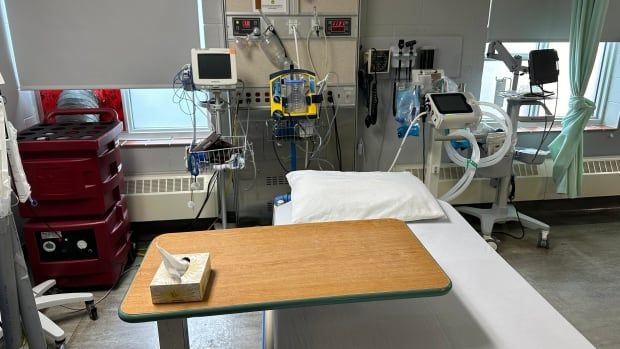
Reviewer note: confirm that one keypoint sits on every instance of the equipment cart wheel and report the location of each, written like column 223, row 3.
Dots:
column 493, row 242
column 543, row 239
column 92, row 310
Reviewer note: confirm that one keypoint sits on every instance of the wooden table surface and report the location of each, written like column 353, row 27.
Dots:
column 264, row 268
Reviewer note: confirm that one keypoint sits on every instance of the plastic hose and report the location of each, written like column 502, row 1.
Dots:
column 296, row 48
column 469, row 164
column 402, row 143
column 496, row 157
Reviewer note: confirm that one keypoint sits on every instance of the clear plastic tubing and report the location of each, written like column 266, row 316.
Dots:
column 506, row 147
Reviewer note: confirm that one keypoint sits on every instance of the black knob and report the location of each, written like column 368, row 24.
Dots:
column 277, row 115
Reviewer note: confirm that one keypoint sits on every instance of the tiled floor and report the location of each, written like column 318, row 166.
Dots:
column 232, row 331
column 578, row 275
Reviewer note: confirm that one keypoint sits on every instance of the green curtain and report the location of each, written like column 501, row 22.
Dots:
column 587, row 20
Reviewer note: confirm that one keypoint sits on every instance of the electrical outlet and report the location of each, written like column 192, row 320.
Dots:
column 292, row 24
column 349, row 96
column 255, row 98
column 343, row 96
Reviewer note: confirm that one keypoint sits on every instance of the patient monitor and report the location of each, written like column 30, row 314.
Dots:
column 214, row 68
column 453, row 110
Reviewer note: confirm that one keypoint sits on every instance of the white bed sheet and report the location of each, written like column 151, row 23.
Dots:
column 490, row 304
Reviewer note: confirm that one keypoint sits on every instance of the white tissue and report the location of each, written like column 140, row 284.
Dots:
column 174, row 266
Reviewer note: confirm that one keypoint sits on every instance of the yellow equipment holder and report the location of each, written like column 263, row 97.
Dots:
column 294, row 94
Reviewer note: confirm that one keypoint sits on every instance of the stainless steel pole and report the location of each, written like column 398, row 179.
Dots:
column 18, row 292
column 9, row 302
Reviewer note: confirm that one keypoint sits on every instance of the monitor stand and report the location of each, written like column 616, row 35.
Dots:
column 502, row 211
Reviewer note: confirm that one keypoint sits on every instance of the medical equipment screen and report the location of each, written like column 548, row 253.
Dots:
column 214, row 66
column 451, row 103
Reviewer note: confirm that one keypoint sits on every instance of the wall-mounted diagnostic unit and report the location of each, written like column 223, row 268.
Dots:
column 245, row 25
column 340, row 26
column 378, row 61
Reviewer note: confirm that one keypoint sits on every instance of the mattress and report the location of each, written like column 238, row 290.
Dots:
column 490, row 304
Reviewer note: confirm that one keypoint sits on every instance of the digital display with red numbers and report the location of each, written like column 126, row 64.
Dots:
column 243, row 26
column 338, row 26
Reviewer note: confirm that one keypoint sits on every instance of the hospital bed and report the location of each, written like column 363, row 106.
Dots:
column 490, row 304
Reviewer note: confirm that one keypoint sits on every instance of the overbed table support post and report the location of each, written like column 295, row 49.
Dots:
column 268, row 327
column 173, row 334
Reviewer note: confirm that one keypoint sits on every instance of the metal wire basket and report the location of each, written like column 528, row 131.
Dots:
column 291, row 129
column 230, row 157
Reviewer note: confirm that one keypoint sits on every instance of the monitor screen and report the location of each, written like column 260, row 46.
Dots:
column 451, row 103
column 543, row 66
column 214, row 66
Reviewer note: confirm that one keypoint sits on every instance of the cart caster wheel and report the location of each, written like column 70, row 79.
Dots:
column 92, row 310
column 60, row 345
column 543, row 243
column 493, row 242
column 543, row 240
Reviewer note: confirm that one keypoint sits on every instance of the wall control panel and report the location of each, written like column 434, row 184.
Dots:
column 243, row 26
column 338, row 26
column 66, row 245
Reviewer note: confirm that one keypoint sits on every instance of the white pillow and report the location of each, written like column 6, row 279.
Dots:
column 323, row 196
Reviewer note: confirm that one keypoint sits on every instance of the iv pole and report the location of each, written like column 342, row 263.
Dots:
column 17, row 304
column 221, row 174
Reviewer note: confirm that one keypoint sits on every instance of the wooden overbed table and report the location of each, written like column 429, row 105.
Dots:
column 265, row 268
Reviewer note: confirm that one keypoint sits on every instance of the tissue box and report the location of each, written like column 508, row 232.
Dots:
column 165, row 289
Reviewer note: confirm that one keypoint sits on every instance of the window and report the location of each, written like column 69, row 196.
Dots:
column 496, row 78
column 159, row 110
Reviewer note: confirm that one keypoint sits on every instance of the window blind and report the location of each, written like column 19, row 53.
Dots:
column 542, row 20
column 68, row 44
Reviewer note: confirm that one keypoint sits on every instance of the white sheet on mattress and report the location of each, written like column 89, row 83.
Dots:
column 490, row 304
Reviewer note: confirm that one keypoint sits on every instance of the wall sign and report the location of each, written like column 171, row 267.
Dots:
column 274, row 6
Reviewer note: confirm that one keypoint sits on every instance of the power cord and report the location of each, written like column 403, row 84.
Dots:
column 511, row 198
column 275, row 151
column 210, row 187
column 330, row 99
column 107, row 292
column 522, row 236
column 219, row 214
column 555, row 112
column 546, row 131
column 423, row 123
column 374, row 107
column 213, row 224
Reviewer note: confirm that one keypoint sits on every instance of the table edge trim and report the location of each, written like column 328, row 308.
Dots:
column 244, row 308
